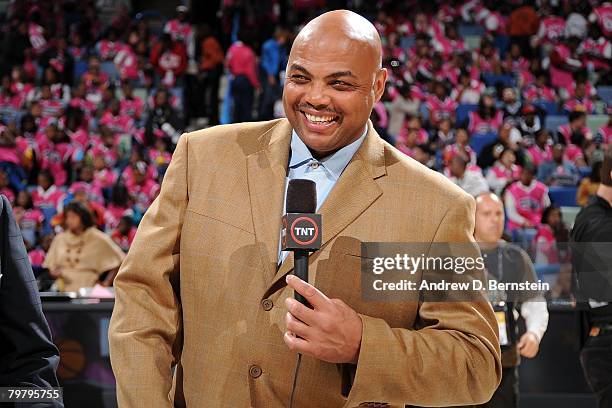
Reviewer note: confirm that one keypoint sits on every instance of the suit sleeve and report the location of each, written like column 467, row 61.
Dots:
column 145, row 329
column 28, row 357
column 453, row 358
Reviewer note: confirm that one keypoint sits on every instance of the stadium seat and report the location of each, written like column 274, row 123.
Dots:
column 493, row 79
column 554, row 121
column 594, row 122
column 605, row 93
column 479, row 140
column 462, row 111
column 551, row 108
column 563, row 196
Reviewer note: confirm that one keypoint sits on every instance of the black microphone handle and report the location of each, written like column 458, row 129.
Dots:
column 300, row 269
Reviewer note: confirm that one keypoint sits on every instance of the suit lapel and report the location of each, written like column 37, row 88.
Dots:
column 266, row 173
column 353, row 193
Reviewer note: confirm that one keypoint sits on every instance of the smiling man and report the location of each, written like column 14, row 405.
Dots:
column 204, row 312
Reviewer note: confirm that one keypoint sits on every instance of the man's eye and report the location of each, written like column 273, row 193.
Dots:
column 299, row 78
column 341, row 84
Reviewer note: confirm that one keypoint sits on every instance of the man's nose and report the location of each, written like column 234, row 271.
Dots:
column 316, row 96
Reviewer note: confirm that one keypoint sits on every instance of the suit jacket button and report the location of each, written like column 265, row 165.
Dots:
column 267, row 304
column 254, row 371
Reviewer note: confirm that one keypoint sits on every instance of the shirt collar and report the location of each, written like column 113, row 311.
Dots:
column 334, row 163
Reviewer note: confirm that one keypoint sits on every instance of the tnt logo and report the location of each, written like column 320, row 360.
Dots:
column 301, row 231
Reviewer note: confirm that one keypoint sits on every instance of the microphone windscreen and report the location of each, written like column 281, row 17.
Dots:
column 301, row 196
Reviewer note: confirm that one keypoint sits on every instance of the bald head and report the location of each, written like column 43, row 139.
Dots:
column 344, row 28
column 489, row 218
column 334, row 78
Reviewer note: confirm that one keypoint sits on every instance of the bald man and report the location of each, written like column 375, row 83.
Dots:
column 509, row 263
column 204, row 313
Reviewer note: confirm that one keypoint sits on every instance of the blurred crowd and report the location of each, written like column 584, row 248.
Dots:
column 511, row 97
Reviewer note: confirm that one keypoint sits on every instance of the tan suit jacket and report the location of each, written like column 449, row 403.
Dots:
column 200, row 288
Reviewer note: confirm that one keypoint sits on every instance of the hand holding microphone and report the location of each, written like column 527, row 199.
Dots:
column 324, row 328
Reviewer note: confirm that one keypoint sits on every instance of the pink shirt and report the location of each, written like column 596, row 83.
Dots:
column 604, row 18
column 241, row 60
column 480, row 125
column 50, row 198
column 606, row 133
column 131, row 107
column 53, row 157
column 37, row 256
column 440, row 108
column 113, row 214
column 538, row 156
column 552, row 29
column 178, row 31
column 9, row 155
column 536, row 93
column 529, row 202
column 105, row 178
column 8, row 193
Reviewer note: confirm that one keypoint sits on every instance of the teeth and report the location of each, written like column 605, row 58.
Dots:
column 319, row 119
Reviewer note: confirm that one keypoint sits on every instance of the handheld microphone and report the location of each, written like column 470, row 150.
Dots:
column 301, row 231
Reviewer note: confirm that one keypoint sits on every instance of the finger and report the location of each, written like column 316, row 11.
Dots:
column 298, row 310
column 297, row 327
column 313, row 295
column 296, row 344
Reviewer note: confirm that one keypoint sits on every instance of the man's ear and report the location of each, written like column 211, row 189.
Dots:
column 379, row 83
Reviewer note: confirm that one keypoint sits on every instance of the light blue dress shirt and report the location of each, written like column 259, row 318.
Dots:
column 325, row 172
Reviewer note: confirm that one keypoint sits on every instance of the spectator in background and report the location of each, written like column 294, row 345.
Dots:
column 472, row 182
column 576, row 123
column 511, row 105
column 529, row 123
column 503, row 172
column 541, row 150
column 591, row 265
column 211, row 69
column 79, row 255
column 523, row 23
column 558, row 171
column 507, row 137
column 605, row 132
column 411, row 135
column 440, row 105
column 508, row 263
column 169, row 58
column 525, row 200
column 273, row 60
column 486, row 118
column 403, row 104
column 468, row 90
column 163, row 117
column 180, row 30
column 589, row 185
column 459, row 147
column 5, row 188
column 29, row 218
column 124, row 234
column 551, row 231
column 241, row 62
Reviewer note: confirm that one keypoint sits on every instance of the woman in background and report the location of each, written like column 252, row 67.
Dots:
column 80, row 254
